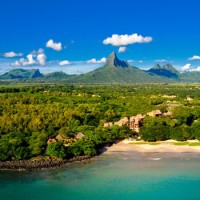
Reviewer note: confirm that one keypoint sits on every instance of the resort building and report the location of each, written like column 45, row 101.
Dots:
column 155, row 113
column 135, row 122
column 80, row 135
column 51, row 140
column 108, row 124
column 122, row 122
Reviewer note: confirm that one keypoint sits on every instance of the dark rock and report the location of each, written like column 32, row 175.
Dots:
column 112, row 60
column 19, row 165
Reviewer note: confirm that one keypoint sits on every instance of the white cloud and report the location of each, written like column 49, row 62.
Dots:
column 30, row 60
column 35, row 57
column 54, row 45
column 64, row 62
column 122, row 49
column 12, row 54
column 195, row 57
column 186, row 67
column 36, row 52
column 161, row 61
column 196, row 69
column 16, row 64
column 135, row 61
column 41, row 58
column 94, row 61
column 103, row 60
column 123, row 40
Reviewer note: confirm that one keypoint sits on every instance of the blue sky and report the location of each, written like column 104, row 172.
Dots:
column 75, row 36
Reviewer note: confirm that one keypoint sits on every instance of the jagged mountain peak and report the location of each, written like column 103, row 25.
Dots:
column 166, row 70
column 168, row 67
column 113, row 60
column 157, row 66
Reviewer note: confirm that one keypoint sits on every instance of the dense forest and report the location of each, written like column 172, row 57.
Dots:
column 33, row 116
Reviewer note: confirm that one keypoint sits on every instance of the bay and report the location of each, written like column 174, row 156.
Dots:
column 112, row 176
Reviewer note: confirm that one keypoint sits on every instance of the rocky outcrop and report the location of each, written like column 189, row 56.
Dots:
column 112, row 60
column 21, row 165
column 36, row 73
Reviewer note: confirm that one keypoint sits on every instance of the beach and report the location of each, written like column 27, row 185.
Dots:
column 169, row 146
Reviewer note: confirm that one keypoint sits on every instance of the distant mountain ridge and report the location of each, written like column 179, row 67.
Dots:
column 115, row 71
column 22, row 74
column 57, row 75
column 166, row 70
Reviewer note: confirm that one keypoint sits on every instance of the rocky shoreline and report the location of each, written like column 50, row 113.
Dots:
column 29, row 165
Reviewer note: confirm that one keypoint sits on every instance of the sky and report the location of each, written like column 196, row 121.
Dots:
column 76, row 36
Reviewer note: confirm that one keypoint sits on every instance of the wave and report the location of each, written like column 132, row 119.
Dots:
column 155, row 159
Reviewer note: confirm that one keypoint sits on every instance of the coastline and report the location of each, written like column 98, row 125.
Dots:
column 41, row 164
column 169, row 146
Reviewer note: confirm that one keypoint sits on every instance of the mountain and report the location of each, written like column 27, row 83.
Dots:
column 190, row 77
column 35, row 75
column 21, row 74
column 112, row 60
column 57, row 75
column 166, row 70
column 117, row 71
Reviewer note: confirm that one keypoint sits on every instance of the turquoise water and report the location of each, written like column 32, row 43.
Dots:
column 114, row 176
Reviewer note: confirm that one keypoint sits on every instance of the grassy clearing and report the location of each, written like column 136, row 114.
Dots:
column 184, row 143
column 180, row 143
column 195, row 144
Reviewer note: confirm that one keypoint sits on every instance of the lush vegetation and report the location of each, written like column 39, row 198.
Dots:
column 31, row 115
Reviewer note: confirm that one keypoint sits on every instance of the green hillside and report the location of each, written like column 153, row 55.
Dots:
column 190, row 77
column 22, row 74
column 117, row 71
column 57, row 76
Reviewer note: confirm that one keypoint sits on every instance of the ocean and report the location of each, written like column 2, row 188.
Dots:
column 111, row 176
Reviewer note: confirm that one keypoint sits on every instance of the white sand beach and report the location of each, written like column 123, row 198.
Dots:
column 169, row 146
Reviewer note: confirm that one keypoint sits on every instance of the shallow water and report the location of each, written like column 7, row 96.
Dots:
column 113, row 176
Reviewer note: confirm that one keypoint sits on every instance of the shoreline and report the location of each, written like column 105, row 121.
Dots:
column 41, row 164
column 169, row 146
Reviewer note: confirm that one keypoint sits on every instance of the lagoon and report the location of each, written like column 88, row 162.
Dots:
column 112, row 176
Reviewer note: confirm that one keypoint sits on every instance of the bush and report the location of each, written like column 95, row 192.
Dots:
column 82, row 147
column 56, row 149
